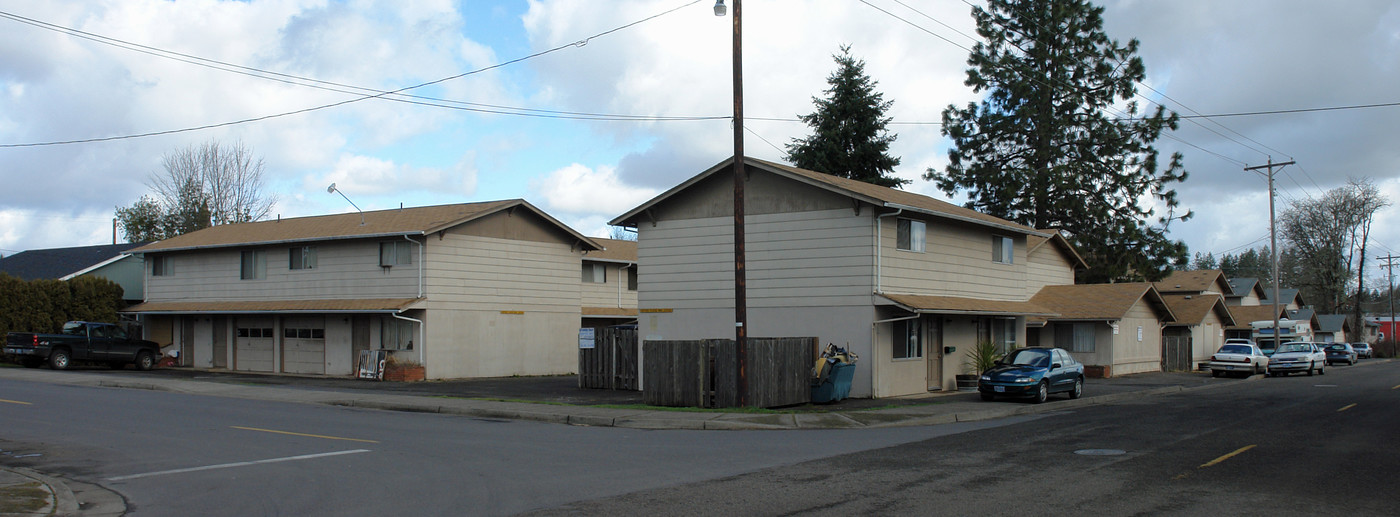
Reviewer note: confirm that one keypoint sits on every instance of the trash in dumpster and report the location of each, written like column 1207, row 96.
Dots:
column 831, row 376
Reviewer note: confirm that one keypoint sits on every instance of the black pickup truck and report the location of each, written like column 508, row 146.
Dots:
column 81, row 341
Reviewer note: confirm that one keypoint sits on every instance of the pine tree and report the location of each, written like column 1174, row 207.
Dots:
column 1046, row 146
column 849, row 138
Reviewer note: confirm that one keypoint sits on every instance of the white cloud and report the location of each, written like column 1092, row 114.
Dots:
column 580, row 191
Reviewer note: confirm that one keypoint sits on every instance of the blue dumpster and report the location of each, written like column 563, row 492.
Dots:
column 836, row 385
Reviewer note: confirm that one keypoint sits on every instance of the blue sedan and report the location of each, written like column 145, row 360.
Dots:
column 1033, row 373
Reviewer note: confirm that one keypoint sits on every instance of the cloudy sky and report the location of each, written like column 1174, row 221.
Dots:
column 502, row 126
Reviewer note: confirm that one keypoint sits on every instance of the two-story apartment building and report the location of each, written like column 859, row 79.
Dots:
column 908, row 282
column 609, row 286
column 467, row 290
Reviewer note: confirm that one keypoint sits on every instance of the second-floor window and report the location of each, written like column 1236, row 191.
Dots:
column 395, row 253
column 909, row 235
column 632, row 278
column 1003, row 249
column 160, row 266
column 301, row 257
column 595, row 274
column 254, row 265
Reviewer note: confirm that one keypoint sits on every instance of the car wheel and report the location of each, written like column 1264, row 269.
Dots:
column 1322, row 370
column 988, row 397
column 1215, row 373
column 144, row 361
column 1042, row 392
column 58, row 359
column 1311, row 367
column 1078, row 390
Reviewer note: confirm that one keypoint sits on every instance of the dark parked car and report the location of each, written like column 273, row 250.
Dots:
column 1340, row 353
column 1363, row 350
column 1033, row 373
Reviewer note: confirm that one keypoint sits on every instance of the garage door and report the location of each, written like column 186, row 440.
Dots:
column 252, row 344
column 304, row 345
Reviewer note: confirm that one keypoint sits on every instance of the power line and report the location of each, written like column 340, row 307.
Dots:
column 381, row 94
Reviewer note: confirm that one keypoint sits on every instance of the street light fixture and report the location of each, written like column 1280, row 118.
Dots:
column 332, row 188
column 719, row 7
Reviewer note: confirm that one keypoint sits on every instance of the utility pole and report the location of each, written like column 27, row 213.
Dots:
column 1390, row 275
column 1273, row 235
column 741, row 318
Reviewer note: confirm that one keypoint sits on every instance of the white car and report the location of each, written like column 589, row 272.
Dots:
column 1298, row 356
column 1237, row 357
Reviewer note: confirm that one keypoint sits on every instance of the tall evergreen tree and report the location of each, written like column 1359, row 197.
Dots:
column 1042, row 148
column 848, row 138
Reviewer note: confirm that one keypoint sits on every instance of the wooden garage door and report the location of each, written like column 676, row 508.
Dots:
column 304, row 345
column 252, row 345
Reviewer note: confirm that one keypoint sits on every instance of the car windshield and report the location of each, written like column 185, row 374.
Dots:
column 1028, row 357
column 1234, row 349
column 1294, row 347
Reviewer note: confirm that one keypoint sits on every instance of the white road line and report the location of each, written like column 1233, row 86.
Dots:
column 237, row 464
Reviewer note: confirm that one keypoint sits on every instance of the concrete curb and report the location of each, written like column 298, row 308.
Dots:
column 61, row 498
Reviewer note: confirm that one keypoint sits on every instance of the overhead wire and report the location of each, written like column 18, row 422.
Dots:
column 380, row 94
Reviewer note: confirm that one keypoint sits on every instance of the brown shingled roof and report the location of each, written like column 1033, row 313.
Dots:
column 1099, row 301
column 379, row 223
column 352, row 305
column 1194, row 282
column 1191, row 309
column 614, row 249
column 873, row 194
column 957, row 305
column 1246, row 314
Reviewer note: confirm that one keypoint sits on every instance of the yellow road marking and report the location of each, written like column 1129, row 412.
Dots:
column 1216, row 461
column 303, row 434
column 1395, row 387
column 1346, row 407
column 16, row 402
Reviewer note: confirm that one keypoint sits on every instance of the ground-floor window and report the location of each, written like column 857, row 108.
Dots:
column 396, row 334
column 1000, row 331
column 907, row 344
column 1075, row 337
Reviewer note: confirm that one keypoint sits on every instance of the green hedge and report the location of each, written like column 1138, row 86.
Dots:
column 45, row 305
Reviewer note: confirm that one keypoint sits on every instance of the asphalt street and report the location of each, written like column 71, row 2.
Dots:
column 1287, row 446
column 179, row 455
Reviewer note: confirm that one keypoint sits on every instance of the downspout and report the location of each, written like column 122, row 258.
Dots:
column 875, row 361
column 421, row 335
column 879, row 230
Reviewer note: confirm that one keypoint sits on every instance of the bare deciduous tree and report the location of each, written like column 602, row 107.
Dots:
column 202, row 186
column 1328, row 238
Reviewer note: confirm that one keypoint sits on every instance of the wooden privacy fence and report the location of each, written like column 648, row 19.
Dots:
column 702, row 373
column 1176, row 354
column 612, row 362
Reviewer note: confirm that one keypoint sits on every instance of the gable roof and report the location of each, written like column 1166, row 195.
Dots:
column 1247, row 314
column 353, row 225
column 1304, row 314
column 1100, row 301
column 62, row 263
column 614, row 250
column 1191, row 309
column 1285, row 296
column 1034, row 242
column 859, row 190
column 1241, row 287
column 1332, row 323
column 1197, row 281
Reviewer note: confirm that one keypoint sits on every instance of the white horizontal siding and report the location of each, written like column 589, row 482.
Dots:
column 1047, row 267
column 344, row 270
column 957, row 261
column 483, row 273
column 819, row 258
column 607, row 294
